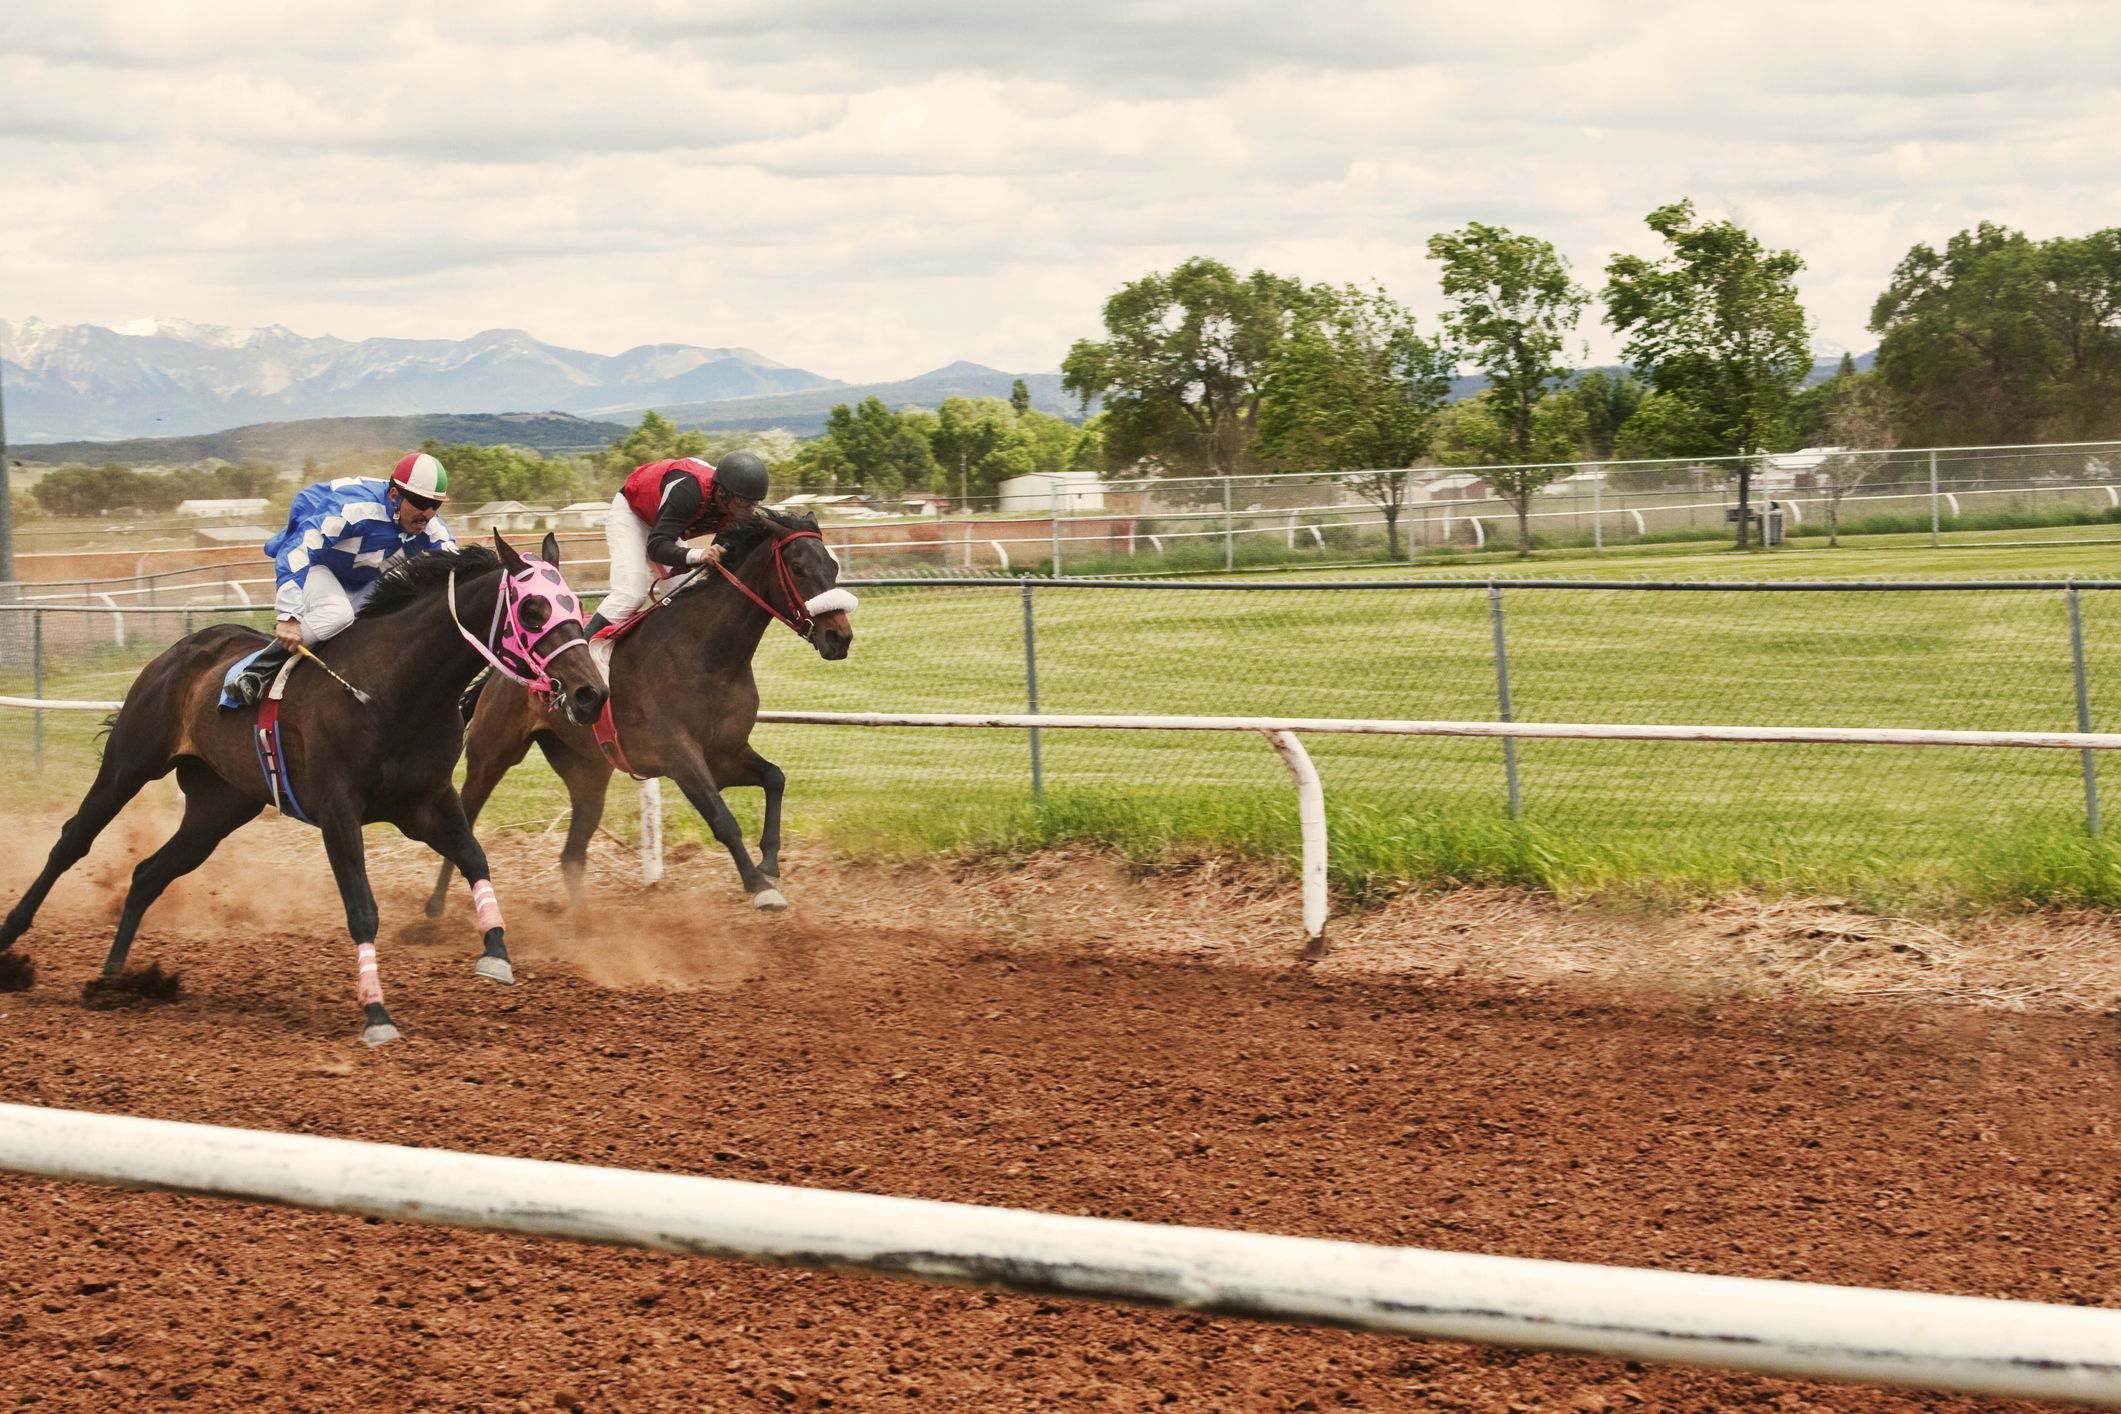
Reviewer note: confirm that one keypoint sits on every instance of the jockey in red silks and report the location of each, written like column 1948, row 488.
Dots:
column 661, row 506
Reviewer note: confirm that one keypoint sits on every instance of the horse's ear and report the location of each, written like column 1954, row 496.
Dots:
column 510, row 560
column 549, row 552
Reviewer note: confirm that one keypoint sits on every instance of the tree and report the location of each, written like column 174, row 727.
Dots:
column 2001, row 339
column 1716, row 327
column 1607, row 401
column 502, row 473
column 1861, row 421
column 1183, row 366
column 76, row 490
column 1020, row 397
column 655, row 439
column 1515, row 309
column 1482, row 432
column 1355, row 390
column 967, row 432
column 870, row 446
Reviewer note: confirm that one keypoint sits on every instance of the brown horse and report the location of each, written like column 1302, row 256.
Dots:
column 683, row 699
column 383, row 754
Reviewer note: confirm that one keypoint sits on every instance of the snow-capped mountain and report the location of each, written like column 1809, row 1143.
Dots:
column 161, row 377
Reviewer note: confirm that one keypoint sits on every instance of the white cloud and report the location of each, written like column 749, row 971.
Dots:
column 869, row 191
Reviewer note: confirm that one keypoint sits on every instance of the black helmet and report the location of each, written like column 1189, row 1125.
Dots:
column 741, row 474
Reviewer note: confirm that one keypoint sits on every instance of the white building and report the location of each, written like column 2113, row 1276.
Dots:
column 1039, row 493
column 213, row 509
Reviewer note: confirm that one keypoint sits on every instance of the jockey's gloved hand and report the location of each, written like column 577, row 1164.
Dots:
column 711, row 555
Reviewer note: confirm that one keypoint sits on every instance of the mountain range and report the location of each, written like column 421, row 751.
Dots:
column 160, row 377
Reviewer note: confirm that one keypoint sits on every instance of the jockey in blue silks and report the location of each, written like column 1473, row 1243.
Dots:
column 339, row 538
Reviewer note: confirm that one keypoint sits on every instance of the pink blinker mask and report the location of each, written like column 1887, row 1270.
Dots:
column 515, row 649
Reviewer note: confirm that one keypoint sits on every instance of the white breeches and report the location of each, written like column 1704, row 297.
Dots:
column 327, row 605
column 631, row 574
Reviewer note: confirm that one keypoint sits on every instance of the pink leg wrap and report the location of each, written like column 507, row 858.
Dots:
column 368, row 987
column 483, row 900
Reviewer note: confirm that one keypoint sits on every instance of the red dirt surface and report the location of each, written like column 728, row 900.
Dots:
column 1091, row 1070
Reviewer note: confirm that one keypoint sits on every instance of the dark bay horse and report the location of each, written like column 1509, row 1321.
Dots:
column 432, row 622
column 683, row 699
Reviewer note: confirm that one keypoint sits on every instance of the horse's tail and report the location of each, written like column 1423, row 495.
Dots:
column 469, row 702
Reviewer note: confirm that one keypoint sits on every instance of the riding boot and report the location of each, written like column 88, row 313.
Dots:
column 252, row 683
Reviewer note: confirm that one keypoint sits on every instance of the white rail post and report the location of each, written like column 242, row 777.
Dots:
column 36, row 679
column 1311, row 815
column 117, row 620
column 651, row 830
column 1933, row 497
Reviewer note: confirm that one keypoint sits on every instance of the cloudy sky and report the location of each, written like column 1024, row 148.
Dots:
column 869, row 190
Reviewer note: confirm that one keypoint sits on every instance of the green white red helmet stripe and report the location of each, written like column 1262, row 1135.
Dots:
column 422, row 475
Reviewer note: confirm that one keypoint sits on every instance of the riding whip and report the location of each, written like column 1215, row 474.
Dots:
column 359, row 696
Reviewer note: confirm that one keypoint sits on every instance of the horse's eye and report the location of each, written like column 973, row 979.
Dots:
column 535, row 612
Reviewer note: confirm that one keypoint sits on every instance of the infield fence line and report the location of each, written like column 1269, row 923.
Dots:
column 1281, row 733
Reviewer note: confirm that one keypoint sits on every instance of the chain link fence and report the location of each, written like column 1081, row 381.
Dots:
column 1976, row 655
column 1080, row 524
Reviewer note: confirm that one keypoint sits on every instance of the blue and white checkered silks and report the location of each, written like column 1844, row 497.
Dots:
column 345, row 529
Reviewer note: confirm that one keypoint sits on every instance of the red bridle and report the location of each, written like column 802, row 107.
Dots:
column 798, row 618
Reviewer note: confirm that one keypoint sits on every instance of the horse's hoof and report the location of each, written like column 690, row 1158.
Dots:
column 495, row 969
column 380, row 1034
column 772, row 900
column 435, row 907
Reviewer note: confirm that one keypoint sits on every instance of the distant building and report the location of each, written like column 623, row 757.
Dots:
column 504, row 516
column 581, row 515
column 217, row 509
column 1041, row 492
column 1460, row 486
column 220, row 537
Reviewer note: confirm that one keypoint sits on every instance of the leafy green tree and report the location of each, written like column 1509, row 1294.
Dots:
column 1020, row 397
column 1607, row 401
column 655, row 439
column 870, row 446
column 76, row 490
column 1998, row 338
column 968, row 432
column 1515, row 308
column 1716, row 326
column 1483, row 432
column 478, row 474
column 1182, row 369
column 1355, row 391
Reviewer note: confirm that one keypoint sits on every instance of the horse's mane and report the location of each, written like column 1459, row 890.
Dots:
column 415, row 577
column 741, row 538
column 748, row 534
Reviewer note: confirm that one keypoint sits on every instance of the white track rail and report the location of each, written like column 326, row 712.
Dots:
column 1785, row 1328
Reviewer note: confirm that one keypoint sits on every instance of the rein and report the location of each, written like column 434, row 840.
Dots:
column 799, row 620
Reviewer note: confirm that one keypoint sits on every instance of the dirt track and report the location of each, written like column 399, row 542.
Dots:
column 1010, row 1060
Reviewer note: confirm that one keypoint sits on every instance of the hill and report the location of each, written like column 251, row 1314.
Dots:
column 287, row 443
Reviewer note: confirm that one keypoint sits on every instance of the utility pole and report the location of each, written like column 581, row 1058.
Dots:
column 7, row 515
